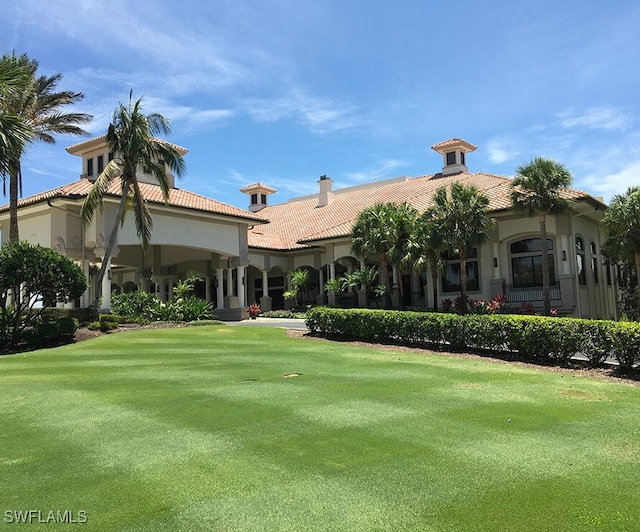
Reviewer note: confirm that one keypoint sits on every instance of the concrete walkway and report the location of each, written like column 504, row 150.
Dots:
column 281, row 323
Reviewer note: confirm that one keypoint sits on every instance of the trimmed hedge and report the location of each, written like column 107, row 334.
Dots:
column 546, row 340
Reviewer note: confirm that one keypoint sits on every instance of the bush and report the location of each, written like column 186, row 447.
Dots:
column 201, row 323
column 539, row 339
column 135, row 305
column 32, row 275
column 284, row 314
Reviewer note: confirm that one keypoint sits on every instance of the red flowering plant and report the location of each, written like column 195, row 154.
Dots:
column 253, row 310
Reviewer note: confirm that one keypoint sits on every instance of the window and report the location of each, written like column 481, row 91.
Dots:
column 594, row 263
column 451, row 158
column 254, row 199
column 526, row 262
column 462, row 158
column 582, row 275
column 89, row 167
column 100, row 163
column 263, row 199
column 110, row 156
column 451, row 275
column 608, row 274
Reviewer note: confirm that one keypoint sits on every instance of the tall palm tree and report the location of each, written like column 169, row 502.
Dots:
column 621, row 224
column 425, row 250
column 384, row 230
column 403, row 219
column 38, row 106
column 537, row 191
column 130, row 137
column 14, row 133
column 462, row 217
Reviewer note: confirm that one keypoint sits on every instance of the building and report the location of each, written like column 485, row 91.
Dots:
column 245, row 256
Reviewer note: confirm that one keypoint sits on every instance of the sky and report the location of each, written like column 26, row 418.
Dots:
column 284, row 91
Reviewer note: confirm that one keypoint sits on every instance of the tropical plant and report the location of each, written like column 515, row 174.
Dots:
column 621, row 225
column 425, row 250
column 254, row 310
column 30, row 278
column 136, row 305
column 300, row 281
column 462, row 217
column 537, row 191
column 383, row 230
column 367, row 278
column 14, row 132
column 38, row 106
column 130, row 137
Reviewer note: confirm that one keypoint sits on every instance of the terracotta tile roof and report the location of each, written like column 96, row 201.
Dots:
column 257, row 187
column 298, row 223
column 102, row 139
column 455, row 142
column 152, row 194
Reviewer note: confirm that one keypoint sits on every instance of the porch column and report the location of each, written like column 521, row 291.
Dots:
column 229, row 282
column 320, row 298
column 207, row 288
column 106, row 288
column 172, row 280
column 395, row 293
column 240, row 283
column 85, row 301
column 219, row 288
column 160, row 291
column 265, row 300
column 331, row 296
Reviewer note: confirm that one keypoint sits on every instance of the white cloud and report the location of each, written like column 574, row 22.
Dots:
column 320, row 115
column 501, row 150
column 608, row 184
column 381, row 171
column 596, row 118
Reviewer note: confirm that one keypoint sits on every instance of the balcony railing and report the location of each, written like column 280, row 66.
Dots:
column 524, row 294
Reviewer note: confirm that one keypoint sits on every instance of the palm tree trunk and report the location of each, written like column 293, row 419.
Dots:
column 637, row 257
column 14, row 178
column 434, row 279
column 109, row 249
column 384, row 267
column 463, row 280
column 546, row 283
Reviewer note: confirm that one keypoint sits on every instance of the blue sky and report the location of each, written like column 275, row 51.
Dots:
column 284, row 91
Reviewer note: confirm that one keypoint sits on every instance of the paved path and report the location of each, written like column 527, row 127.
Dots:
column 282, row 323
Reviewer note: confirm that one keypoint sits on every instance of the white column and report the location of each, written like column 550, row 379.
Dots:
column 229, row 281
column 265, row 283
column 241, row 285
column 172, row 280
column 160, row 292
column 332, row 271
column 106, row 287
column 207, row 288
column 321, row 280
column 220, row 287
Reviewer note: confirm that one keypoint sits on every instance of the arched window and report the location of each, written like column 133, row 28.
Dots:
column 526, row 262
column 451, row 274
column 582, row 275
column 594, row 262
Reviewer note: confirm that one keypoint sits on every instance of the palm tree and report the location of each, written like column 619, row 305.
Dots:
column 403, row 218
column 38, row 106
column 464, row 221
column 537, row 191
column 383, row 229
column 14, row 133
column 425, row 250
column 130, row 137
column 621, row 224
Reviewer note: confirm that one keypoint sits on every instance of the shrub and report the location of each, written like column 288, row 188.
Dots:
column 33, row 275
column 284, row 314
column 137, row 304
column 540, row 339
column 626, row 343
column 201, row 323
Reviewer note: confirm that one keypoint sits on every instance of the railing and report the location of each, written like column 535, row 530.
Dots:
column 524, row 294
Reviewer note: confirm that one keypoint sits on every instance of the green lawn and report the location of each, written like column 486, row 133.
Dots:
column 188, row 429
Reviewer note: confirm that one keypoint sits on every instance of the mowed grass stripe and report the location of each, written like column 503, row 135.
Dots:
column 198, row 429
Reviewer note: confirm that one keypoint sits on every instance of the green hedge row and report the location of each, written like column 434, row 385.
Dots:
column 536, row 338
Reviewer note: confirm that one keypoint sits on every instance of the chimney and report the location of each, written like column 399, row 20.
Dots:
column 326, row 184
